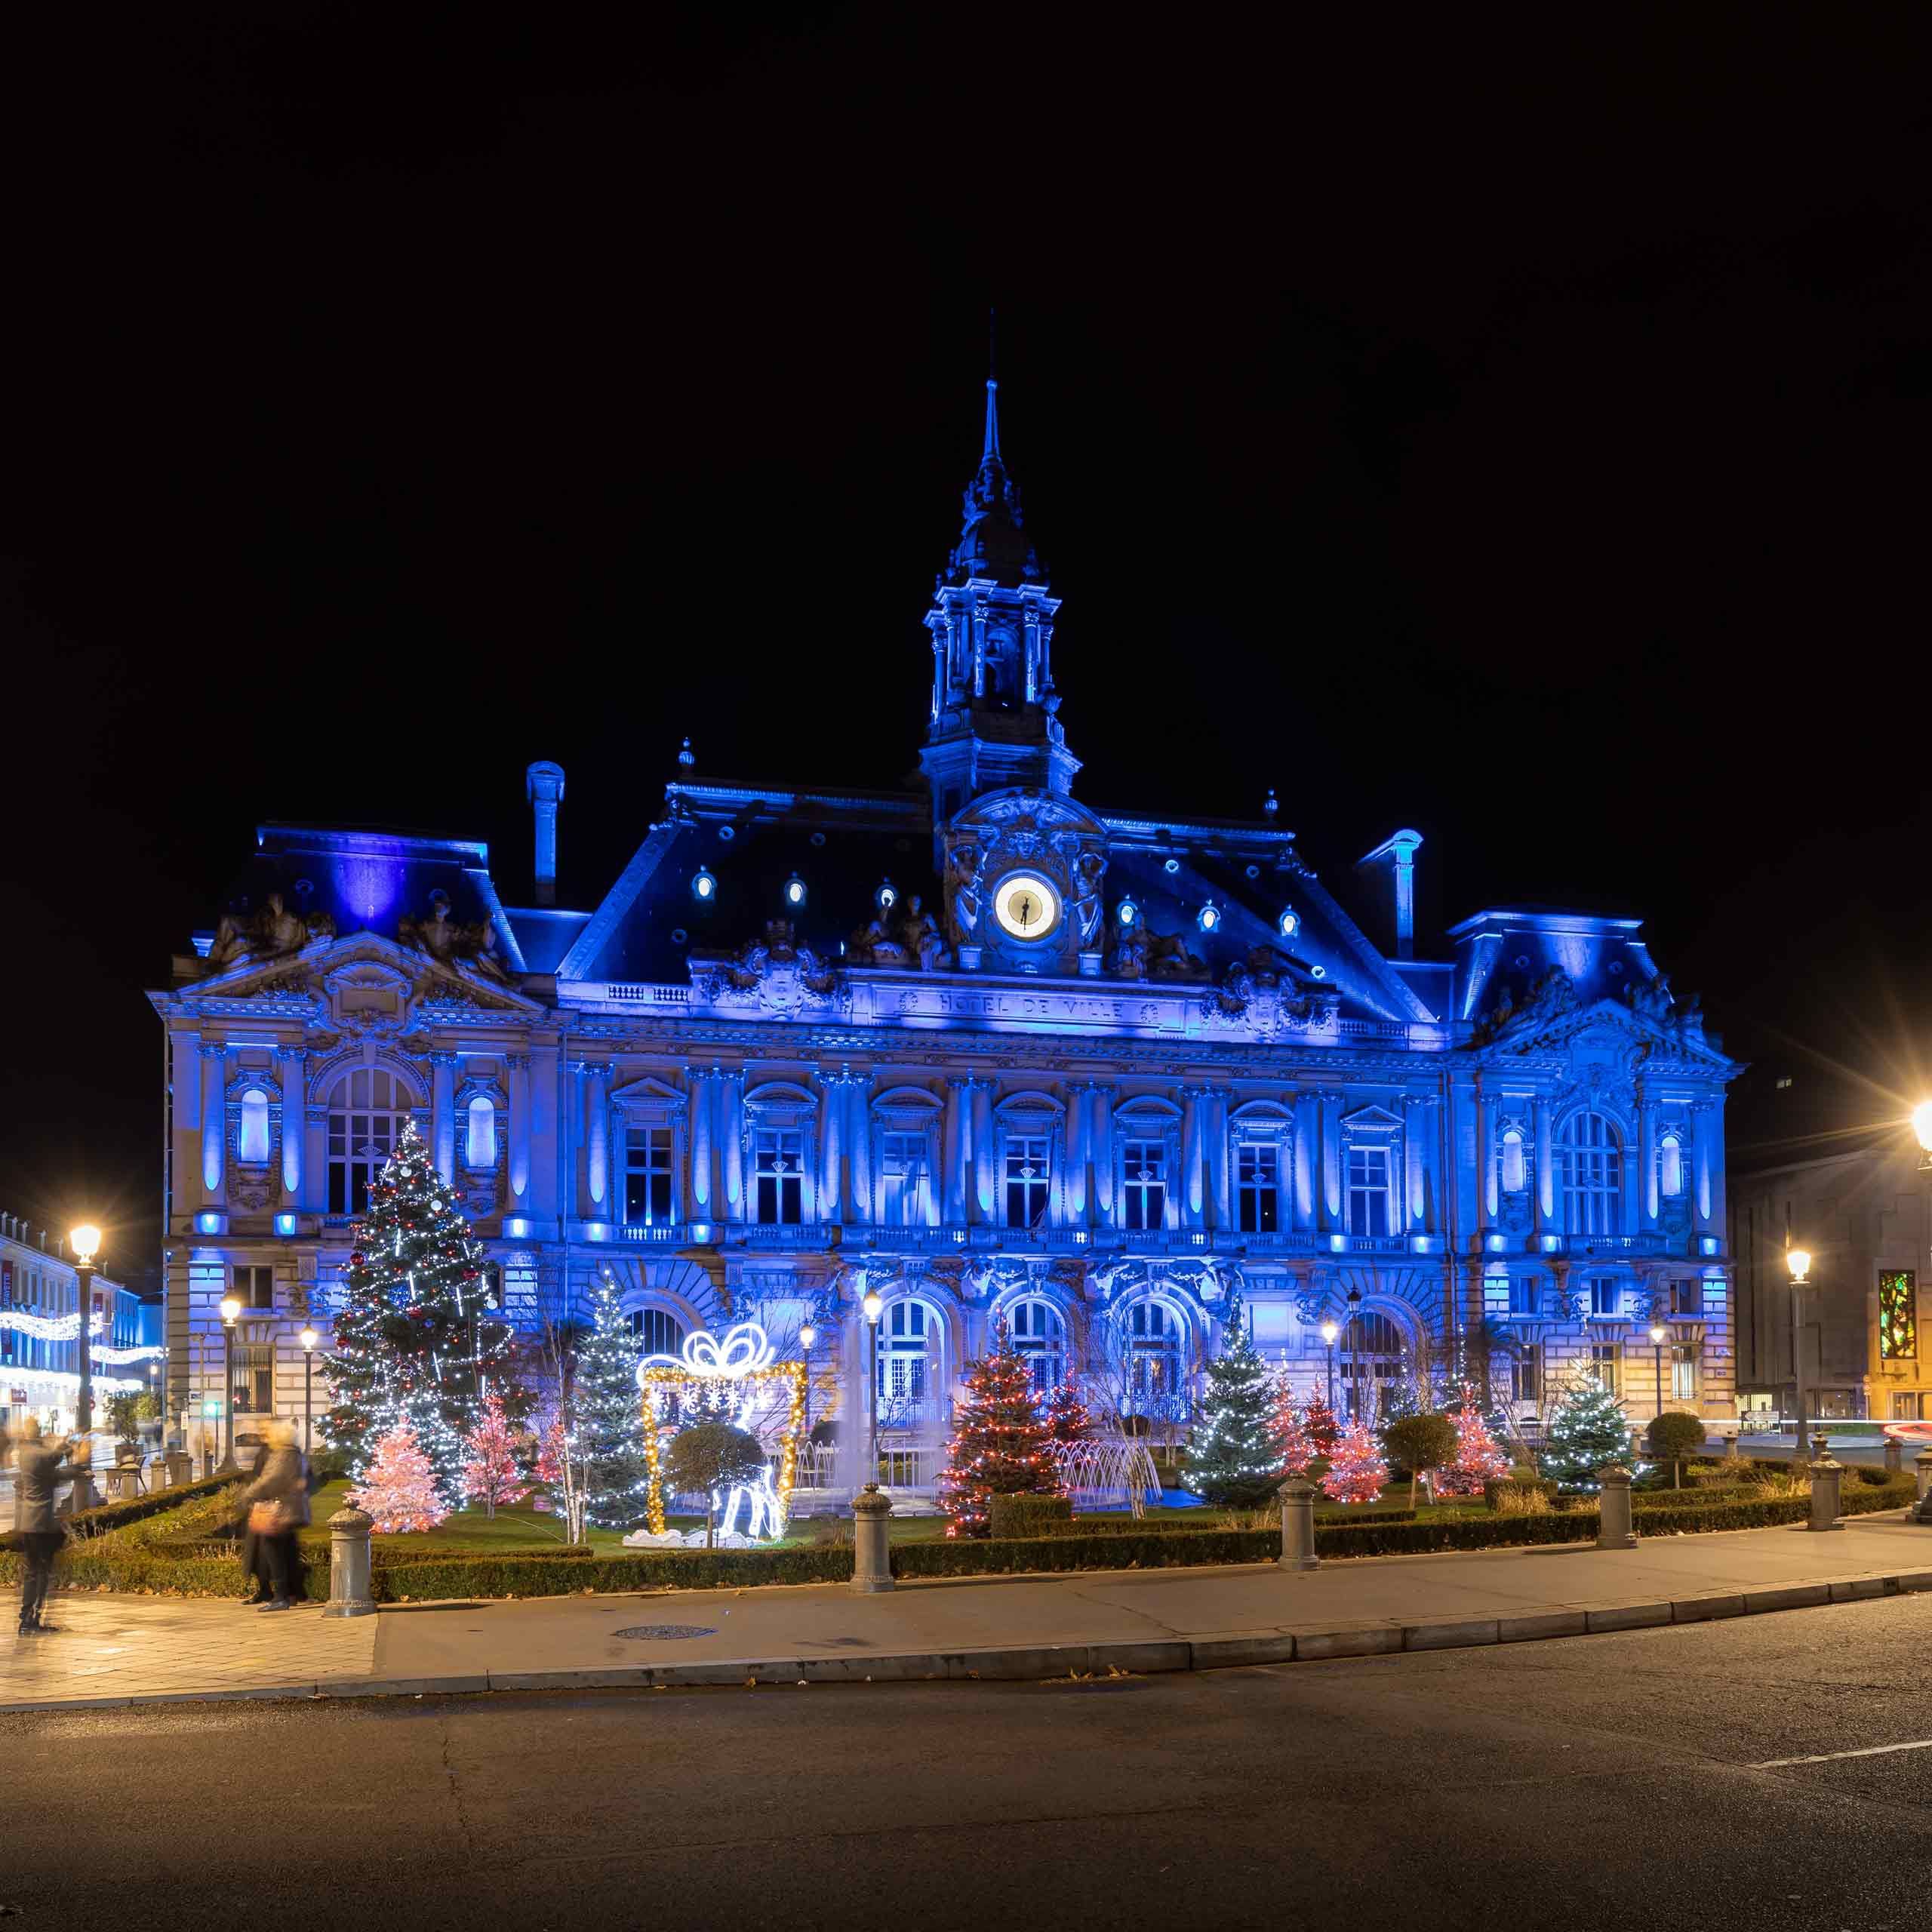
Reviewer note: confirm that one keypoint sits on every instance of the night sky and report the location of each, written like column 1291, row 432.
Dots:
column 1513, row 424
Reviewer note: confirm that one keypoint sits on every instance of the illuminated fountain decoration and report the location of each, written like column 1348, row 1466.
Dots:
column 1110, row 1471
column 730, row 1378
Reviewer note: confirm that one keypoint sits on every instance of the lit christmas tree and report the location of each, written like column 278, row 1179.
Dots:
column 610, row 1416
column 560, row 1470
column 999, row 1446
column 491, row 1475
column 1322, row 1426
column 1235, row 1460
column 1297, row 1440
column 1478, row 1458
column 401, row 1493
column 415, row 1337
column 1356, row 1472
column 1068, row 1422
column 1588, row 1432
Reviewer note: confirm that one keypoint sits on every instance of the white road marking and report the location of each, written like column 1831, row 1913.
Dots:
column 1827, row 1757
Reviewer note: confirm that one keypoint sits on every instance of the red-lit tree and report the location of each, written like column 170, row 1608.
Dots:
column 1323, row 1426
column 1067, row 1419
column 1356, row 1472
column 401, row 1493
column 1296, row 1438
column 1478, row 1458
column 999, row 1446
column 490, row 1475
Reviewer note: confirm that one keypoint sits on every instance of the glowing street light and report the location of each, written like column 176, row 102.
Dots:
column 85, row 1241
column 1330, row 1329
column 1658, row 1332
column 1798, row 1260
column 874, row 1306
column 230, row 1309
column 308, row 1339
column 1921, row 1125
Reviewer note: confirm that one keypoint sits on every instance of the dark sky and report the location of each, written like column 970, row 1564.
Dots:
column 1510, row 424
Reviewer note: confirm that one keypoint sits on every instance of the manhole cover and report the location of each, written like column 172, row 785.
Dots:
column 652, row 1632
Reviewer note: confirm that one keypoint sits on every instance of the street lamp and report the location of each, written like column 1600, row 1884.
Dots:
column 1329, row 1330
column 230, row 1309
column 1658, row 1332
column 807, row 1335
column 874, row 1306
column 309, row 1339
column 1921, row 1125
column 1798, row 1260
column 1354, row 1363
column 85, row 1241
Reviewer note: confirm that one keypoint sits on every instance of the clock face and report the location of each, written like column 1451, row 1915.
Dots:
column 1026, row 905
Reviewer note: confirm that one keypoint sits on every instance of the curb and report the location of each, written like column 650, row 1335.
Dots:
column 1035, row 1664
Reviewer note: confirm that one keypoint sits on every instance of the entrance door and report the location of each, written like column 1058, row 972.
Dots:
column 1905, row 1408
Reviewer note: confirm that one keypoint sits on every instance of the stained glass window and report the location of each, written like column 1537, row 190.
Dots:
column 1898, row 1316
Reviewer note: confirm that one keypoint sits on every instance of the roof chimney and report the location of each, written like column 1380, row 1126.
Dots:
column 1398, row 851
column 544, row 783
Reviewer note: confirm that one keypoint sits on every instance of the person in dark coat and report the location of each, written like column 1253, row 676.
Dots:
column 39, row 1469
column 280, row 1490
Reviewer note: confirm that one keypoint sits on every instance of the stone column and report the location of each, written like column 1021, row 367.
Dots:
column 1100, row 1156
column 1297, row 1497
column 1613, row 1530
column 871, row 1557
column 1074, row 1169
column 1306, row 1155
column 1546, row 1183
column 1219, row 1195
column 986, row 1186
column 1486, row 1154
column 1193, row 1099
column 519, row 1128
column 701, row 1191
column 859, row 1148
column 442, row 1113
column 214, row 1122
column 348, row 1565
column 1700, row 1157
column 294, row 1115
column 1331, row 1158
column 1414, row 1109
column 731, row 1144
column 1647, row 1156
column 953, row 1154
column 315, row 1170
column 831, row 1143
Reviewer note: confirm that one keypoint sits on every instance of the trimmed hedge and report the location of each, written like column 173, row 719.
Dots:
column 1025, row 1514
column 538, row 1573
column 137, row 1508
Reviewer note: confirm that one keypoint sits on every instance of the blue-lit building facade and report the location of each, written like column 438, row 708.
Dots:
column 992, row 1051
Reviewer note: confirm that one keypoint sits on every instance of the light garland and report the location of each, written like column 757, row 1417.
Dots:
column 53, row 1382
column 743, row 1359
column 67, row 1328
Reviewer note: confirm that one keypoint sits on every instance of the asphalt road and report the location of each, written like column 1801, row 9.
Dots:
column 1599, row 1780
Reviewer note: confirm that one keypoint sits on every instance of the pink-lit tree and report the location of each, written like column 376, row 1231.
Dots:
column 1296, row 1438
column 400, row 1494
column 490, row 1472
column 1356, row 1472
column 1477, row 1459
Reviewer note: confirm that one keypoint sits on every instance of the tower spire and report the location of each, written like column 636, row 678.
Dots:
column 990, row 453
column 993, row 543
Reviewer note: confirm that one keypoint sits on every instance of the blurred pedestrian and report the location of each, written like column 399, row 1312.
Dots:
column 277, row 1501
column 38, row 1469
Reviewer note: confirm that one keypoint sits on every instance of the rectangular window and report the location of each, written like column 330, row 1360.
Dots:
column 1368, row 1190
column 901, row 1180
column 1257, row 1179
column 1526, row 1374
column 1607, row 1365
column 254, row 1288
column 649, row 1176
column 1683, row 1373
column 1687, row 1297
column 1526, row 1295
column 1898, row 1315
column 778, row 1156
column 1607, row 1297
column 254, row 1390
column 1025, row 1179
column 1144, row 1182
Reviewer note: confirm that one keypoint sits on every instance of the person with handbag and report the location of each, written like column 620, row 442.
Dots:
column 38, row 1470
column 277, row 1502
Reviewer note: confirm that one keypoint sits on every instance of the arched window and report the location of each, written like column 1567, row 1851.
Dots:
column 1373, row 1359
column 481, row 1149
column 251, row 1142
column 657, row 1331
column 908, row 1361
column 1592, row 1176
column 1512, row 1161
column 1670, row 1167
column 1039, row 1338
column 1154, row 1360
column 366, row 1108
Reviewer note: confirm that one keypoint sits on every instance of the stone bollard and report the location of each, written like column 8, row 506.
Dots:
column 1297, row 1495
column 871, row 1557
column 1613, row 1530
column 1821, row 1447
column 1827, row 1475
column 1921, row 1468
column 1894, row 1455
column 348, row 1565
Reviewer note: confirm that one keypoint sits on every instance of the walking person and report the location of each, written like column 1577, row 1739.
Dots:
column 38, row 1469
column 277, row 1504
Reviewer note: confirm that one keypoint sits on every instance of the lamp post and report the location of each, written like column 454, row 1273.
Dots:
column 230, row 1309
column 1329, row 1331
column 1658, row 1332
column 874, row 1306
column 1354, row 1361
column 1921, row 1125
column 1798, row 1260
column 309, row 1339
column 85, row 1241
column 807, row 1335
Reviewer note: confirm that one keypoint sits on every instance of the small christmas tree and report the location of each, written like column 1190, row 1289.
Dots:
column 560, row 1469
column 1478, row 1458
column 1588, row 1431
column 1322, row 1426
column 491, row 1476
column 1296, row 1439
column 610, row 1416
column 1356, row 1472
column 1235, row 1460
column 1068, row 1422
column 999, row 1444
column 401, row 1493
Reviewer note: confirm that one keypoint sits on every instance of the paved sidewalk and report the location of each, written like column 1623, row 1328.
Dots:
column 121, row 1650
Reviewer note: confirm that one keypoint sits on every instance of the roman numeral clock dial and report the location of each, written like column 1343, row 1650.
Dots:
column 1026, row 905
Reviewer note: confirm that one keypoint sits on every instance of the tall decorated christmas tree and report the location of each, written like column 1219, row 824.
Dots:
column 1000, row 1444
column 1236, row 1459
column 610, row 1416
column 1356, row 1472
column 416, row 1338
column 1588, row 1431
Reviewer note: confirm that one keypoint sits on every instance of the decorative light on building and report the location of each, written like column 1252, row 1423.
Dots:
column 1127, row 912
column 886, row 897
column 287, row 1224
column 1317, row 972
column 704, row 887
column 1209, row 917
column 794, row 891
column 1170, row 865
column 1289, row 923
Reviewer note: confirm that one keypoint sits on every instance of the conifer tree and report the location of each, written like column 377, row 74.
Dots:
column 491, row 1475
column 999, row 1444
column 610, row 1416
column 1478, row 1458
column 1068, row 1421
column 401, row 1492
column 1322, row 1424
column 1235, row 1459
column 1297, row 1440
column 1588, row 1431
column 1357, row 1472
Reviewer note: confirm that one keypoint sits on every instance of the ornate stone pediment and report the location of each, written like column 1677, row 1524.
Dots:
column 775, row 976
column 1609, row 1029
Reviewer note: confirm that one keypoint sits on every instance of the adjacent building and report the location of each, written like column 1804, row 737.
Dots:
column 1002, row 1054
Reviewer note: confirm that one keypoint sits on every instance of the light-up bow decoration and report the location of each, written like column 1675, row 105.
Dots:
column 744, row 1350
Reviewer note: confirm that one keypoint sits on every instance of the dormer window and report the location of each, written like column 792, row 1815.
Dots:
column 1670, row 1167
